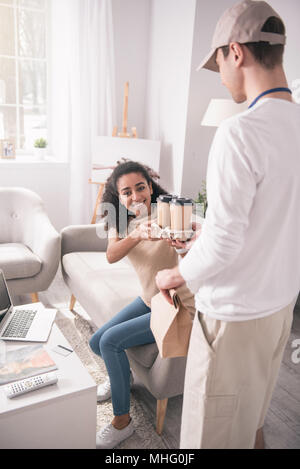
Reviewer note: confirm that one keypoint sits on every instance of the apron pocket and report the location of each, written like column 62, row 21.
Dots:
column 209, row 330
column 218, row 417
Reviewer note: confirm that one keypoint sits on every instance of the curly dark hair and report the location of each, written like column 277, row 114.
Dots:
column 121, row 218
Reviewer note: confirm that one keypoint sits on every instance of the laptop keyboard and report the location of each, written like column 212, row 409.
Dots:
column 20, row 323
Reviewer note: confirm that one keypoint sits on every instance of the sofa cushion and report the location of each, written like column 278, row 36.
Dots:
column 85, row 262
column 18, row 261
column 103, row 289
column 145, row 355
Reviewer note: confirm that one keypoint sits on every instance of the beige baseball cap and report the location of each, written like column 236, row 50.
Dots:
column 241, row 23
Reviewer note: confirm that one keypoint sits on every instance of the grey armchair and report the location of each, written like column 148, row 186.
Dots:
column 29, row 244
column 103, row 289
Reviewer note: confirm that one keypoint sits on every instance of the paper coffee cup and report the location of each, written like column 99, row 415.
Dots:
column 163, row 210
column 181, row 210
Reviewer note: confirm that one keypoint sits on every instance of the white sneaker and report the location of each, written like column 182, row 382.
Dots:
column 109, row 437
column 104, row 391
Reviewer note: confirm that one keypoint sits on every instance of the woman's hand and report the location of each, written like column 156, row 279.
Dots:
column 144, row 231
column 176, row 243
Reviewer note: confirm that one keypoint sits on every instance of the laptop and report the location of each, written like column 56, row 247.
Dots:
column 27, row 323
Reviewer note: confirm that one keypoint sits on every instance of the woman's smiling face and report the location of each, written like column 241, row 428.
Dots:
column 134, row 189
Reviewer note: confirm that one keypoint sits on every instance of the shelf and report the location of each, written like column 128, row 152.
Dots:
column 25, row 161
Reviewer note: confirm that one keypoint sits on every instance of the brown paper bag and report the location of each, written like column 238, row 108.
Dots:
column 171, row 325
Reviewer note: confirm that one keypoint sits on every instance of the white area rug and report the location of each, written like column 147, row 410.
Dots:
column 77, row 330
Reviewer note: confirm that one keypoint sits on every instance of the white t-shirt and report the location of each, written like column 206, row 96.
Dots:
column 246, row 262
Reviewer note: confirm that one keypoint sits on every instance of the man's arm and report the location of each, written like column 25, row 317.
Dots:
column 231, row 188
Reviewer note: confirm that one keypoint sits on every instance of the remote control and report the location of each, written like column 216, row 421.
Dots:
column 30, row 384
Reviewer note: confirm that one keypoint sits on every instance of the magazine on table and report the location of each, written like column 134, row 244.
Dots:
column 24, row 362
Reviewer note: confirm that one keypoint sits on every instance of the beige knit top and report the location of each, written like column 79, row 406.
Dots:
column 148, row 258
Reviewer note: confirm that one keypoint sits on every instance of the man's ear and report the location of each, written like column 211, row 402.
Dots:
column 237, row 53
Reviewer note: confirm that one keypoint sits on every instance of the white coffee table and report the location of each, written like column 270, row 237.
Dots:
column 62, row 415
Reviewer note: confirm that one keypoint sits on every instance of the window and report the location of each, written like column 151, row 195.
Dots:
column 23, row 71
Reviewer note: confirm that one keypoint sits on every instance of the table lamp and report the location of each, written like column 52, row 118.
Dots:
column 220, row 109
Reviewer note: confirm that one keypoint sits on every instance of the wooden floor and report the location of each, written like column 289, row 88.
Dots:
column 282, row 426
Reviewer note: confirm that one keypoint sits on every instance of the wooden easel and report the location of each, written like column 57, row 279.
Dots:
column 122, row 134
column 115, row 133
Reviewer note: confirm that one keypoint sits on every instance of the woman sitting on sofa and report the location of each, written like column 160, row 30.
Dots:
column 131, row 190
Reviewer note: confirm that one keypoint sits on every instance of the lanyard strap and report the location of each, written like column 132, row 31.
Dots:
column 272, row 90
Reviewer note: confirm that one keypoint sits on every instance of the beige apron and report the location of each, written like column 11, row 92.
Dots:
column 232, row 368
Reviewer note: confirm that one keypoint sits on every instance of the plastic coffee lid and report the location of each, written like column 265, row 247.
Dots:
column 182, row 201
column 166, row 198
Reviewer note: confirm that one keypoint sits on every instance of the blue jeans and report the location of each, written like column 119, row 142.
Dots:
column 129, row 328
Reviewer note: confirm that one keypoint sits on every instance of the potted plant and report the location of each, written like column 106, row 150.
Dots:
column 202, row 199
column 40, row 148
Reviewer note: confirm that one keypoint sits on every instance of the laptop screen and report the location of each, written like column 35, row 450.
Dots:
column 5, row 303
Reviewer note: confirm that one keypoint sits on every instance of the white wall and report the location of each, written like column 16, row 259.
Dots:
column 289, row 10
column 177, row 95
column 205, row 85
column 131, row 43
column 49, row 180
column 171, row 39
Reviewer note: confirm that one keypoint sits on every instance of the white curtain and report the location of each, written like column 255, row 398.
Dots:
column 83, row 91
